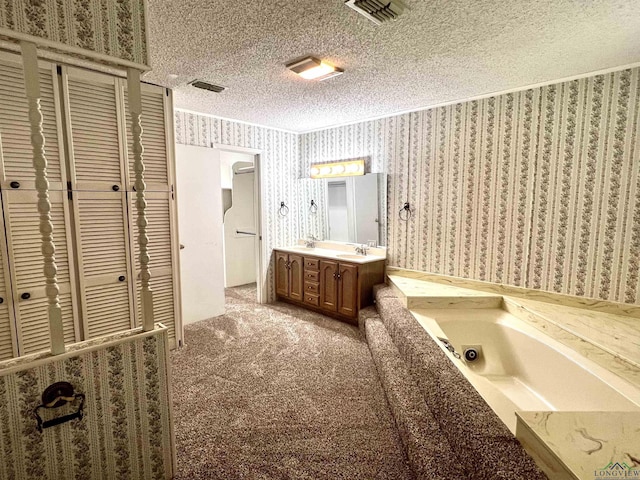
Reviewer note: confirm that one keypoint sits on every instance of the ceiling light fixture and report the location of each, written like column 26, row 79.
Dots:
column 310, row 68
column 348, row 168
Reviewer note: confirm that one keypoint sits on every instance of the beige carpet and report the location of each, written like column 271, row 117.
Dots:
column 274, row 391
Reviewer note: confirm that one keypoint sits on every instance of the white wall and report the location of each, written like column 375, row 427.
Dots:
column 200, row 231
column 279, row 174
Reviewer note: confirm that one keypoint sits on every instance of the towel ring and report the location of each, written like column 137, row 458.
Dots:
column 406, row 209
column 284, row 210
column 313, row 207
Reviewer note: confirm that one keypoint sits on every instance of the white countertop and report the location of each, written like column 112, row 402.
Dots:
column 338, row 253
column 591, row 445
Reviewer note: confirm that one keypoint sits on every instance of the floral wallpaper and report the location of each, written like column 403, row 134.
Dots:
column 538, row 188
column 125, row 432
column 111, row 27
column 279, row 173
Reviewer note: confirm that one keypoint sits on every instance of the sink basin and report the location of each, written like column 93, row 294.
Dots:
column 350, row 257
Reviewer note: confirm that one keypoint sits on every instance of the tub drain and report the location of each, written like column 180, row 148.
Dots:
column 471, row 354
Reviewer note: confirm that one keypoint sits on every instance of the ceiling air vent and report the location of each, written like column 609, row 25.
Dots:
column 207, row 86
column 378, row 11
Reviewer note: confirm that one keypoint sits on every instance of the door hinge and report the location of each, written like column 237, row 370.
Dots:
column 69, row 191
column 59, row 69
column 172, row 196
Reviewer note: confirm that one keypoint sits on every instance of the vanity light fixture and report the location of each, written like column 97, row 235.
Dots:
column 310, row 68
column 348, row 168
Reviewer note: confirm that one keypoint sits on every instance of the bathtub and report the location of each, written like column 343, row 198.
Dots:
column 521, row 368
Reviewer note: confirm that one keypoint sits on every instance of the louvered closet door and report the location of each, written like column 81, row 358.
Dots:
column 102, row 231
column 22, row 222
column 21, row 218
column 96, row 150
column 8, row 342
column 157, row 121
column 15, row 133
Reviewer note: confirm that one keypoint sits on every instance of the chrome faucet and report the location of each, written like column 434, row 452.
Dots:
column 449, row 347
column 310, row 242
column 361, row 249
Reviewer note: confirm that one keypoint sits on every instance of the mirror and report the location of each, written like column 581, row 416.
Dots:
column 345, row 209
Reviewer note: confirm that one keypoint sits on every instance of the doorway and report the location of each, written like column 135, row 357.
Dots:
column 240, row 191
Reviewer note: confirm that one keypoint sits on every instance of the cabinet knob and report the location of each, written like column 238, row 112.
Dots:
column 115, row 188
column 15, row 184
column 1, row 300
column 122, row 278
column 25, row 296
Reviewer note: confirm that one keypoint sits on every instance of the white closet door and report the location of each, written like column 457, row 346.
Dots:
column 8, row 341
column 154, row 138
column 157, row 120
column 159, row 233
column 93, row 109
column 15, row 134
column 21, row 219
column 22, row 222
column 101, row 232
column 96, row 150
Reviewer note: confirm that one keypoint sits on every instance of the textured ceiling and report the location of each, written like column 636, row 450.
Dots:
column 437, row 51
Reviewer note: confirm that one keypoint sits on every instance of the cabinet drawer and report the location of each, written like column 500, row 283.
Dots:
column 311, row 264
column 312, row 299
column 311, row 287
column 311, row 276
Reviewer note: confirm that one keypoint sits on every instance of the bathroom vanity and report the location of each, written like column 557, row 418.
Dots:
column 336, row 283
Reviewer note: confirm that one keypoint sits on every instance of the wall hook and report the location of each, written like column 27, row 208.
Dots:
column 405, row 212
column 284, row 210
column 313, row 207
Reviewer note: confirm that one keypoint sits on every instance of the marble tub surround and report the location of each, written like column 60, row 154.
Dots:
column 612, row 340
column 582, row 445
column 604, row 347
column 603, row 306
column 421, row 294
column 617, row 334
column 560, row 441
column 336, row 251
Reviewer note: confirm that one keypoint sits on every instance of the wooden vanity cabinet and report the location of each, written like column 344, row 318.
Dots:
column 289, row 276
column 335, row 288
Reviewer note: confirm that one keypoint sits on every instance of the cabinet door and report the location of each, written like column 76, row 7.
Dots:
column 93, row 108
column 329, row 285
column 296, row 277
column 22, row 223
column 161, row 263
column 157, row 123
column 282, row 274
column 97, row 170
column 8, row 343
column 348, row 290
column 16, row 155
column 157, row 168
column 103, row 262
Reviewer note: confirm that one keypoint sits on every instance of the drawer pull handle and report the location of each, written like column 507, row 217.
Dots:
column 25, row 296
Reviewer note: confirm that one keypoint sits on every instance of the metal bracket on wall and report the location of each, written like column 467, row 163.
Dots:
column 57, row 395
column 405, row 212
